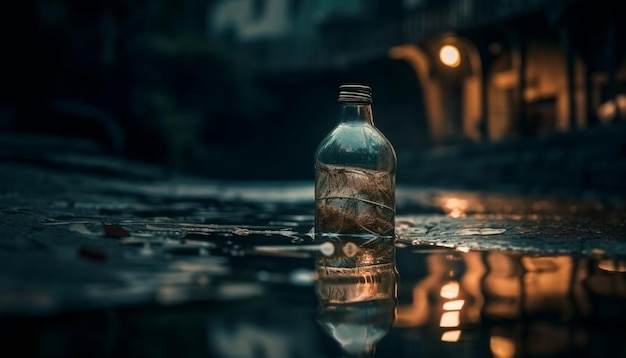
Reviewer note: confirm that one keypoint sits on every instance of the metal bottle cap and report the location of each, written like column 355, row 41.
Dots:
column 355, row 93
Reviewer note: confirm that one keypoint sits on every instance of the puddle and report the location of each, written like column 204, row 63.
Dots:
column 230, row 272
column 463, row 286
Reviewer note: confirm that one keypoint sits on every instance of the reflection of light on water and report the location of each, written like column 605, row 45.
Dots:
column 612, row 265
column 327, row 248
column 453, row 305
column 451, row 336
column 502, row 347
column 450, row 319
column 357, row 305
column 510, row 287
column 450, row 290
column 547, row 283
column 455, row 207
column 302, row 277
column 298, row 277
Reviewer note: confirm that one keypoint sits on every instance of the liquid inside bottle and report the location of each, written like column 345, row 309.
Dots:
column 354, row 201
column 355, row 185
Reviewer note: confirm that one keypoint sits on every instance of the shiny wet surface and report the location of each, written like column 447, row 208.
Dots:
column 112, row 266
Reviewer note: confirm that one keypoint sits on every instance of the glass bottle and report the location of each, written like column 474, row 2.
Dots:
column 355, row 167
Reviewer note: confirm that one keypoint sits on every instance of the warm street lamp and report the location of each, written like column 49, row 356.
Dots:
column 450, row 56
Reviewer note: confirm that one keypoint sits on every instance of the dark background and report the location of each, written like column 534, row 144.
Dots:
column 166, row 82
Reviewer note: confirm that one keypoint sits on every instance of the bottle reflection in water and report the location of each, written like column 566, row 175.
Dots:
column 357, row 306
column 355, row 182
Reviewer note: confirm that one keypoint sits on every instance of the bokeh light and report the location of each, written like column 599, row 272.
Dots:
column 450, row 56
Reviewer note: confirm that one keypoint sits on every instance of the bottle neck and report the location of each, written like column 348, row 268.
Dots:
column 356, row 112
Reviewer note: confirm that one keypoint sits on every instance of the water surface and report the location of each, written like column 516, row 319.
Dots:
column 195, row 268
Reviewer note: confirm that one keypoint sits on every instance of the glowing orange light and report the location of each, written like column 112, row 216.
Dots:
column 612, row 266
column 450, row 290
column 455, row 207
column 450, row 56
column 451, row 336
column 453, row 305
column 450, row 319
column 502, row 347
column 607, row 110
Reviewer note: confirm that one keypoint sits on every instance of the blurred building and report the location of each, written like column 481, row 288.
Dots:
column 245, row 86
column 473, row 93
column 524, row 68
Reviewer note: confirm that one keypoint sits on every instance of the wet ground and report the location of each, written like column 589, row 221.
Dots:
column 106, row 258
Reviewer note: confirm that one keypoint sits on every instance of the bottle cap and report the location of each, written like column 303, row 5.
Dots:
column 355, row 93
